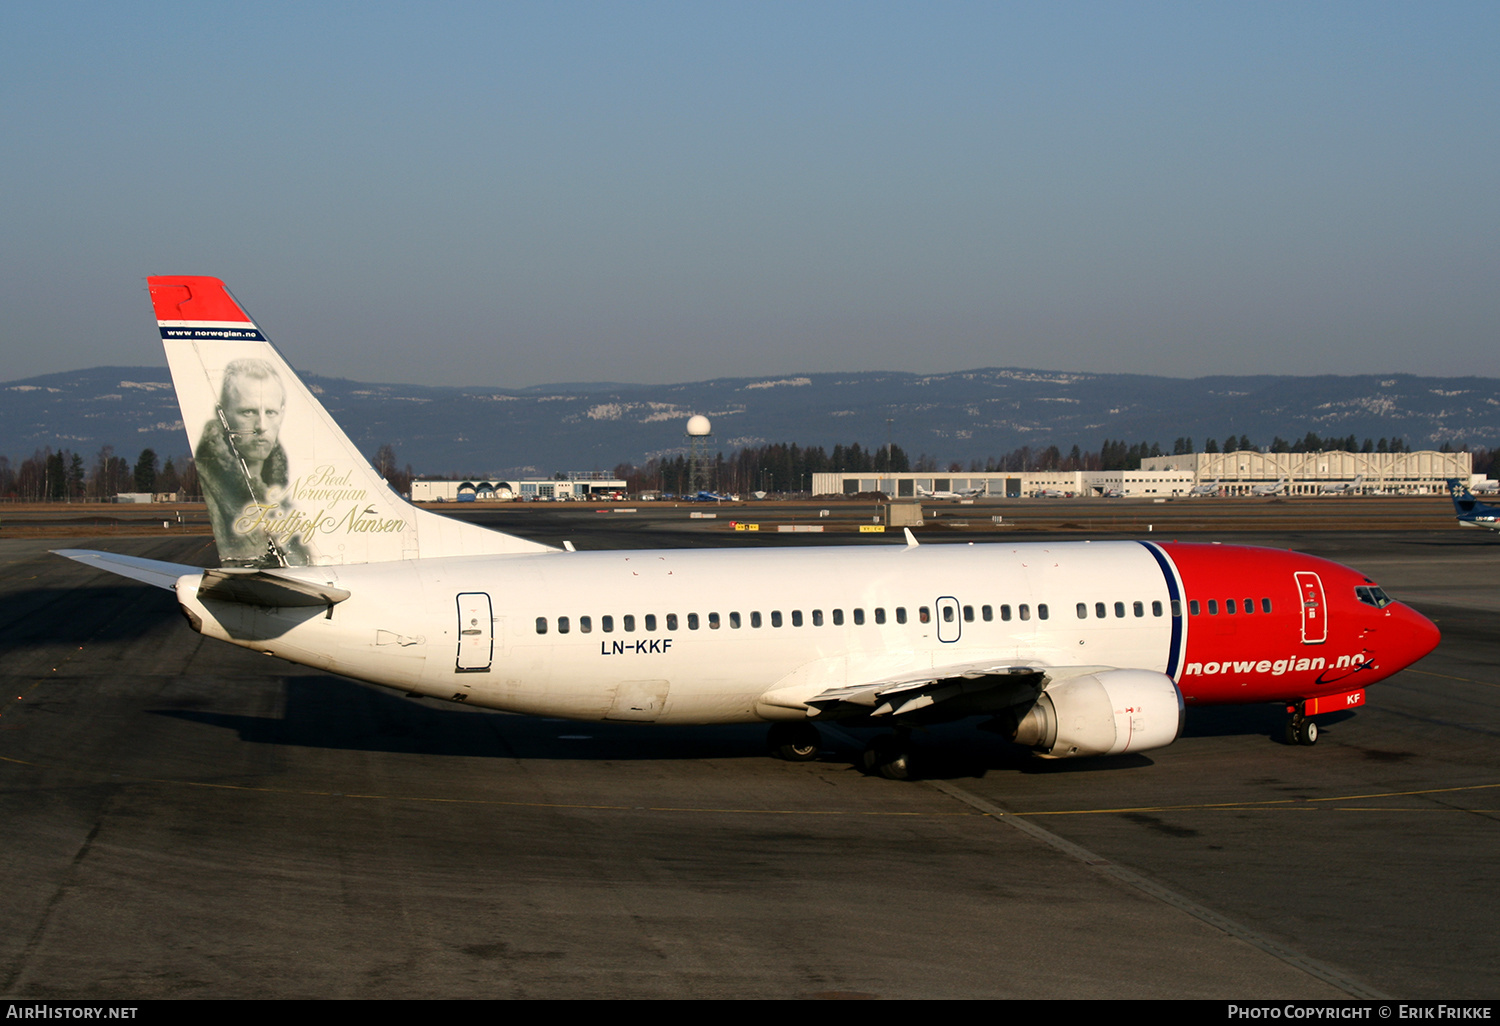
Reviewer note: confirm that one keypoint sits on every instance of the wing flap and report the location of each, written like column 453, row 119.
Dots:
column 964, row 689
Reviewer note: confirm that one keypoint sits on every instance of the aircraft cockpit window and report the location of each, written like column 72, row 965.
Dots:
column 1372, row 596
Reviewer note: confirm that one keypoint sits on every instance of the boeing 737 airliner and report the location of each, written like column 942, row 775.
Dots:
column 1071, row 648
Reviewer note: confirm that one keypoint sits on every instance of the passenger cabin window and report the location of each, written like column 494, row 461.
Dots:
column 1138, row 608
column 1041, row 610
column 607, row 624
column 1025, row 611
column 1213, row 607
column 838, row 618
column 1229, row 606
column 734, row 621
column 1265, row 605
column 692, row 621
column 817, row 617
column 775, row 618
column 900, row 614
column 541, row 625
column 1099, row 610
column 585, row 624
column 671, row 622
column 1005, row 612
column 650, row 621
column 986, row 613
column 755, row 619
column 923, row 615
column 1083, row 610
column 713, row 621
column 1193, row 607
column 1249, row 606
column 628, row 623
column 880, row 614
column 562, row 625
column 1119, row 610
column 796, row 618
column 859, row 617
column 968, row 614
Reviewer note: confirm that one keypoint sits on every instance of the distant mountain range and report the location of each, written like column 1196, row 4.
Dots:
column 961, row 416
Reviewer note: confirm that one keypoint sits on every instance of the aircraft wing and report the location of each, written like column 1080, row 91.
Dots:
column 966, row 688
column 155, row 572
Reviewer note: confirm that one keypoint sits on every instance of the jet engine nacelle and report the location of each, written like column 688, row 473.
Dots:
column 1103, row 713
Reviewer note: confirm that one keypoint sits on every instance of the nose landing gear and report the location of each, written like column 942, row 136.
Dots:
column 1299, row 729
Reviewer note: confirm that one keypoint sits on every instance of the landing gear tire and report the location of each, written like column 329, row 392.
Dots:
column 890, row 757
column 1301, row 731
column 794, row 742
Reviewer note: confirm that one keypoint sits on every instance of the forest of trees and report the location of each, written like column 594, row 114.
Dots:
column 63, row 476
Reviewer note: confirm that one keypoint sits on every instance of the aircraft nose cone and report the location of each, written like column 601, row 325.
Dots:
column 1419, row 635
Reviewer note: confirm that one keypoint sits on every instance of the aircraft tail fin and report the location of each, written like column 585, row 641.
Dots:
column 1463, row 499
column 283, row 484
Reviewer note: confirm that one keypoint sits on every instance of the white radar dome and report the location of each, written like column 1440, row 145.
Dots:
column 698, row 425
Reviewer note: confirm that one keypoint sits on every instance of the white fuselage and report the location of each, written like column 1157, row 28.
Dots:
column 708, row 636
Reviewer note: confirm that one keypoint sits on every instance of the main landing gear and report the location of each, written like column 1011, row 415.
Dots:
column 794, row 742
column 889, row 755
column 1299, row 729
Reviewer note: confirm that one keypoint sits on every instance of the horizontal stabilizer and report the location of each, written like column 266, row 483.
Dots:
column 155, row 572
column 262, row 588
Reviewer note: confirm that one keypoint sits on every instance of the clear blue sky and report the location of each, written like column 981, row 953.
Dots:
column 517, row 193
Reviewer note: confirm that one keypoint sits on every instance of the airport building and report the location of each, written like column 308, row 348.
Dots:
column 577, row 486
column 1313, row 473
column 1131, row 483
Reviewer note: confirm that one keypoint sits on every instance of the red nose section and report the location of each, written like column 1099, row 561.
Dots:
column 1418, row 635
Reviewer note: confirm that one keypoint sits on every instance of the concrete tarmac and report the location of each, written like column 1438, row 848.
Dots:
column 188, row 819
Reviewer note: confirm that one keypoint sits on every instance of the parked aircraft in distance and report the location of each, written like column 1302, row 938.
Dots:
column 1471, row 512
column 1269, row 489
column 962, row 493
column 1205, row 489
column 1069, row 648
column 1052, row 493
column 1342, row 487
column 707, row 496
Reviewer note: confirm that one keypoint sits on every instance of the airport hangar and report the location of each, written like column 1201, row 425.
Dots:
column 582, row 485
column 1399, row 473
